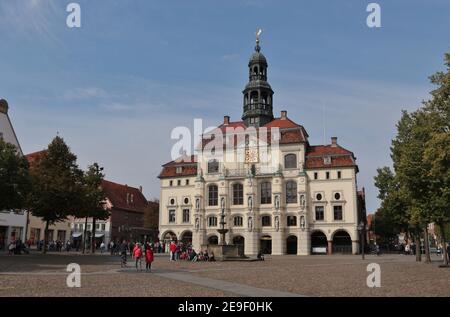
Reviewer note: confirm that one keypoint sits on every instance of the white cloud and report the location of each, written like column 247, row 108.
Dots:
column 33, row 17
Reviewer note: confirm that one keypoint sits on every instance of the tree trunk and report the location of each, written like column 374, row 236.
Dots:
column 427, row 246
column 444, row 245
column 44, row 249
column 85, row 235
column 418, row 249
column 93, row 244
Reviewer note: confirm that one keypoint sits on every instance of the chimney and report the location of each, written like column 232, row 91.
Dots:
column 334, row 141
column 283, row 115
column 226, row 120
column 3, row 106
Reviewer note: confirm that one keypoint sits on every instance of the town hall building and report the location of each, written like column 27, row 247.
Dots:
column 285, row 196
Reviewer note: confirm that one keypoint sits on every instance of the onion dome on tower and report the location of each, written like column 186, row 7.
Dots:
column 258, row 107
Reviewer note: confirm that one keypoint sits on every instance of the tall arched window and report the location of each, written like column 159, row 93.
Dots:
column 238, row 194
column 290, row 161
column 266, row 193
column 213, row 195
column 213, row 166
column 291, row 192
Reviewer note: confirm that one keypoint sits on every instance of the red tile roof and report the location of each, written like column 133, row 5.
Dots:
column 340, row 157
column 185, row 159
column 188, row 164
column 326, row 150
column 120, row 196
column 171, row 171
column 290, row 131
column 281, row 123
column 35, row 156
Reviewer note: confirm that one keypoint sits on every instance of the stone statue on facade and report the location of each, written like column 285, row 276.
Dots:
column 197, row 224
column 250, row 223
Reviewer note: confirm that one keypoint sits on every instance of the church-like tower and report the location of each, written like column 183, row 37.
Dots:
column 258, row 101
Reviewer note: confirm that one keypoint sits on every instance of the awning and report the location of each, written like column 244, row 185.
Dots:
column 76, row 234
column 99, row 235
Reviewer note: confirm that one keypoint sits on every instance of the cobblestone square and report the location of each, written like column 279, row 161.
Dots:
column 101, row 275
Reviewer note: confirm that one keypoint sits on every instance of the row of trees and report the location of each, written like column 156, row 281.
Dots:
column 416, row 191
column 53, row 187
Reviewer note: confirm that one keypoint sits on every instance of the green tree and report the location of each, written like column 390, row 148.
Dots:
column 420, row 155
column 95, row 199
column 14, row 177
column 391, row 218
column 56, row 185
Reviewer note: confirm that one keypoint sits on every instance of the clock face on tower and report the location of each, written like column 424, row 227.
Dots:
column 251, row 155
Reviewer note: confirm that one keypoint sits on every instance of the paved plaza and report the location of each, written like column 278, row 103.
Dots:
column 337, row 275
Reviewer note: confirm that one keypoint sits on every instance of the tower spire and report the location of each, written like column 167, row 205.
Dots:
column 258, row 109
column 258, row 34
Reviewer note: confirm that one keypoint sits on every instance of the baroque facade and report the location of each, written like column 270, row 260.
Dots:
column 285, row 196
column 13, row 223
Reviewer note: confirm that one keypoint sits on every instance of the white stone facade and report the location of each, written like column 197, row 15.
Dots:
column 179, row 198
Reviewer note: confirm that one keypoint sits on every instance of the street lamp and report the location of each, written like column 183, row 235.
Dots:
column 361, row 230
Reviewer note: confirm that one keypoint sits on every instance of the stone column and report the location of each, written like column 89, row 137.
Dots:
column 278, row 243
column 304, row 242
column 251, row 244
column 330, row 248
column 355, row 247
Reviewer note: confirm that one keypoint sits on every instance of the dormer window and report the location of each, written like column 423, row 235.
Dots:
column 131, row 198
column 179, row 169
column 327, row 160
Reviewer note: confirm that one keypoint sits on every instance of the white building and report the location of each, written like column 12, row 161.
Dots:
column 12, row 223
column 277, row 193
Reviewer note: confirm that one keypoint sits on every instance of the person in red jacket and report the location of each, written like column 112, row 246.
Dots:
column 172, row 249
column 148, row 257
column 137, row 253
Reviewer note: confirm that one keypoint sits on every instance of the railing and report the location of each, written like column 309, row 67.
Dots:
column 258, row 171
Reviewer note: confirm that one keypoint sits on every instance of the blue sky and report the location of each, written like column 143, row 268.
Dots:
column 115, row 87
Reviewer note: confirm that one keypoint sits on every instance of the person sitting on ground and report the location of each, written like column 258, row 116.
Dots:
column 260, row 256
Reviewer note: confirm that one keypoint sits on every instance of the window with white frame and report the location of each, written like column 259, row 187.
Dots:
column 238, row 221
column 212, row 222
column 320, row 213
column 172, row 215
column 337, row 212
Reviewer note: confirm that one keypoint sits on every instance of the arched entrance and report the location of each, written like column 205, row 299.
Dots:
column 240, row 242
column 318, row 243
column 266, row 245
column 213, row 240
column 168, row 237
column 186, row 237
column 291, row 245
column 342, row 243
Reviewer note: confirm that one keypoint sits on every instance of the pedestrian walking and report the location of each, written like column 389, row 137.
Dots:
column 148, row 258
column 137, row 254
column 172, row 249
column 123, row 253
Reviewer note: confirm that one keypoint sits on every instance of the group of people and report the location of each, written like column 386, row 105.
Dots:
column 178, row 251
column 17, row 247
column 114, row 247
column 138, row 252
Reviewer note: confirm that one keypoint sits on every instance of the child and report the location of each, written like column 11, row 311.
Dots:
column 148, row 258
